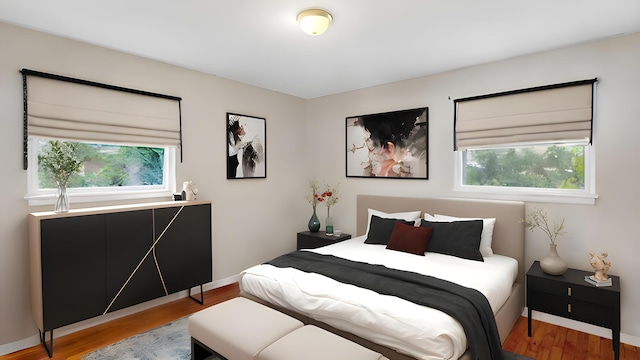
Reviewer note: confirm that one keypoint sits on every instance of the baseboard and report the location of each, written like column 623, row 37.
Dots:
column 35, row 339
column 584, row 327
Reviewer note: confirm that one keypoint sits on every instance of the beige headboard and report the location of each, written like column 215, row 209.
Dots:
column 508, row 233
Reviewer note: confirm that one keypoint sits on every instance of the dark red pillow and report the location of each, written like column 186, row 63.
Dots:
column 409, row 238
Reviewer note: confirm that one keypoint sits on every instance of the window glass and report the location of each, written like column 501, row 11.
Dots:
column 554, row 166
column 106, row 169
column 105, row 165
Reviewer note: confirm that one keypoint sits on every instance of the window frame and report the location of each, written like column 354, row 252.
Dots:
column 36, row 196
column 587, row 195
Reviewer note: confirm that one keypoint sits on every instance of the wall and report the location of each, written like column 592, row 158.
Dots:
column 256, row 219
column 609, row 225
column 242, row 209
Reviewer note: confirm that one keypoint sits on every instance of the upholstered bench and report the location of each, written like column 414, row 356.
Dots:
column 237, row 329
column 312, row 343
column 241, row 329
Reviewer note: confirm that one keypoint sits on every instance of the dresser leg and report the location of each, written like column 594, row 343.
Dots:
column 199, row 301
column 43, row 340
column 529, row 321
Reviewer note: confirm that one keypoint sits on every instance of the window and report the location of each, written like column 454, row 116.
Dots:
column 527, row 144
column 128, row 138
column 545, row 172
column 108, row 172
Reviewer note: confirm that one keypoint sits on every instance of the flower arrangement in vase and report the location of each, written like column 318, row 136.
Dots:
column 552, row 264
column 59, row 159
column 329, row 198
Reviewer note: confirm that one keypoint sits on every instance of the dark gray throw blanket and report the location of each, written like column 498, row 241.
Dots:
column 468, row 306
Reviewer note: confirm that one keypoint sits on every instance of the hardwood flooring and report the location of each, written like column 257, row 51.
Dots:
column 548, row 342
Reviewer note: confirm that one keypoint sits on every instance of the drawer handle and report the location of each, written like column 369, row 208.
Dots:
column 568, row 307
column 568, row 291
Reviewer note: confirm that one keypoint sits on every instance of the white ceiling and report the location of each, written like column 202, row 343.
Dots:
column 370, row 42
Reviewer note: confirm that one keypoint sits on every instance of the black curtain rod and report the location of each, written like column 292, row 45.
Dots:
column 537, row 88
column 96, row 84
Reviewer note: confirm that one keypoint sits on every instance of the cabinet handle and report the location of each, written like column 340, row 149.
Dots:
column 569, row 291
column 568, row 307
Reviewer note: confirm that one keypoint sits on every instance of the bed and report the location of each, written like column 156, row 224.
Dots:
column 395, row 327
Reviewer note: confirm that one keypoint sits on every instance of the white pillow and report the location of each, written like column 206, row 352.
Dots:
column 486, row 237
column 408, row 216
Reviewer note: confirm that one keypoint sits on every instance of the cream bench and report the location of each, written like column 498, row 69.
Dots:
column 241, row 329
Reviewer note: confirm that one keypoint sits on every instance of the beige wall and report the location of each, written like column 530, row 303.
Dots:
column 609, row 225
column 242, row 209
column 256, row 219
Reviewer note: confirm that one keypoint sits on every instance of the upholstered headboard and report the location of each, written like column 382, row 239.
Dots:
column 508, row 233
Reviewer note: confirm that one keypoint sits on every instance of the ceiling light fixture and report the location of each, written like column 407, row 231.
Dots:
column 314, row 21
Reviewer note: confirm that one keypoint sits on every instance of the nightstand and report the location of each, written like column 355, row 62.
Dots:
column 312, row 240
column 569, row 296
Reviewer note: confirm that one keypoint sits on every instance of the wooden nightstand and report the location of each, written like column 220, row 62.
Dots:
column 569, row 296
column 312, row 240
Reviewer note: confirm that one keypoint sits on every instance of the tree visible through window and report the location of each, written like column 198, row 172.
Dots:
column 555, row 166
column 106, row 165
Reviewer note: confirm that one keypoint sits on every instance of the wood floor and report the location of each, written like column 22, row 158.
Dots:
column 548, row 342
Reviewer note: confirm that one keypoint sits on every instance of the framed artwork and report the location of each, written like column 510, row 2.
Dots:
column 246, row 147
column 389, row 145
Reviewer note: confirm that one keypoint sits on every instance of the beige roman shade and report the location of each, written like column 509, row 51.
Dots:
column 59, row 107
column 562, row 112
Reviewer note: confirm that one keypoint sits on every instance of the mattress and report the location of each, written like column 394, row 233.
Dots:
column 418, row 331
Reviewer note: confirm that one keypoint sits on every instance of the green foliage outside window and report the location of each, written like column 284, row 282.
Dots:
column 550, row 167
column 110, row 166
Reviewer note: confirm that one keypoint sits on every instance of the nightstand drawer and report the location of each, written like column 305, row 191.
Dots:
column 572, row 309
column 588, row 293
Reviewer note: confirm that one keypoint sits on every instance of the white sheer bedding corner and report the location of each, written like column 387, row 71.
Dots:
column 419, row 331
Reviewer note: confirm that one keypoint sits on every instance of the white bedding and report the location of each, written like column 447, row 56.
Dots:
column 418, row 331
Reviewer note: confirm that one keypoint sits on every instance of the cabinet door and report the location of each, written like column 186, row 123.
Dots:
column 131, row 278
column 73, row 269
column 184, row 250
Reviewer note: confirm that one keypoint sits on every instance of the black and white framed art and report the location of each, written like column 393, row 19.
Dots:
column 246, row 147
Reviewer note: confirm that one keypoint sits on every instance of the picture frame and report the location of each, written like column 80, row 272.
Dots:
column 388, row 145
column 246, row 146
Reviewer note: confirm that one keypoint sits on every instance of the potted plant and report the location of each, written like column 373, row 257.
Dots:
column 59, row 159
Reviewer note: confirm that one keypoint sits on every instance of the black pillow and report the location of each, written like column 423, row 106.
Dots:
column 456, row 238
column 380, row 229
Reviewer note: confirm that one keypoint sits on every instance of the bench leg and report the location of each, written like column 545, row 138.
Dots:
column 200, row 351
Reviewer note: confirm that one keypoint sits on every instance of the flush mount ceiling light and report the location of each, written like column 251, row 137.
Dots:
column 314, row 21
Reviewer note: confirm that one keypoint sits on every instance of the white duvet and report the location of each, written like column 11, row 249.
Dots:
column 421, row 332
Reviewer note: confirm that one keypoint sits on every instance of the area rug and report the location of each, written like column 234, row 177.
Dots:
column 170, row 342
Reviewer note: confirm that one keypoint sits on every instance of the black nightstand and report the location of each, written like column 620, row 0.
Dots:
column 312, row 240
column 569, row 296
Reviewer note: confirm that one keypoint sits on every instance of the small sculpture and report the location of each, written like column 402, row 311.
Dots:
column 189, row 192
column 600, row 265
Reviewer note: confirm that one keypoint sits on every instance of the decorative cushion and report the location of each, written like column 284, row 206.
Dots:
column 407, row 215
column 487, row 231
column 381, row 228
column 409, row 238
column 458, row 238
column 313, row 343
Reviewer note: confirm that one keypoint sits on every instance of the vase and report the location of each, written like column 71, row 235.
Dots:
column 329, row 224
column 314, row 222
column 62, row 198
column 553, row 264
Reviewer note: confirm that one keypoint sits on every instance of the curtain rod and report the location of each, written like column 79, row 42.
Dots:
column 96, row 84
column 537, row 88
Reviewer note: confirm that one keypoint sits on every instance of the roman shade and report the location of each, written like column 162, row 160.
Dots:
column 60, row 107
column 560, row 112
